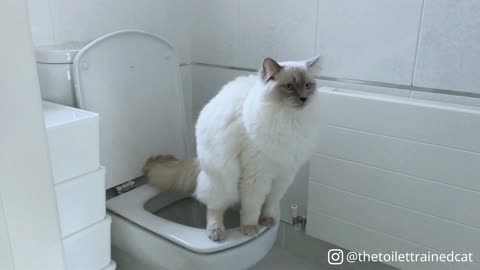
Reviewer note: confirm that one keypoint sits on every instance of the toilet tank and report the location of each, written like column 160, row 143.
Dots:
column 54, row 65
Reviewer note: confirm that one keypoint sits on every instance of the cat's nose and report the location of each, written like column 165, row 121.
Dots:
column 303, row 99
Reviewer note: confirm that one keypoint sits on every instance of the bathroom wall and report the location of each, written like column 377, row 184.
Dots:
column 419, row 45
column 63, row 21
column 422, row 49
column 425, row 49
column 29, row 226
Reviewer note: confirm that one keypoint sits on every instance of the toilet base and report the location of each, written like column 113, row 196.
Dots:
column 156, row 252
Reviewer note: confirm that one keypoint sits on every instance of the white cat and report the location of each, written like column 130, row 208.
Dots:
column 252, row 138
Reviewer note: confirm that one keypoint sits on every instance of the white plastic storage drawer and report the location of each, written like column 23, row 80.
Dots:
column 73, row 140
column 89, row 248
column 81, row 201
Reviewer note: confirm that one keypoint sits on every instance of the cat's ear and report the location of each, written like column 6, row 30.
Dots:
column 270, row 68
column 313, row 62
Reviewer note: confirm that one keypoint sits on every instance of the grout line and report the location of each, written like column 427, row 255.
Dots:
column 415, row 61
column 316, row 31
column 354, row 81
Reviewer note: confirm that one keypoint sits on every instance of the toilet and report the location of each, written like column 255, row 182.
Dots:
column 132, row 80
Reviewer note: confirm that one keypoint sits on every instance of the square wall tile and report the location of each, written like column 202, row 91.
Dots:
column 186, row 76
column 89, row 19
column 170, row 20
column 281, row 29
column 372, row 40
column 40, row 22
column 215, row 25
column 449, row 47
column 242, row 33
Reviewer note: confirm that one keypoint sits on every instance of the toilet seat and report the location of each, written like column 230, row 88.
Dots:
column 131, row 207
column 132, row 80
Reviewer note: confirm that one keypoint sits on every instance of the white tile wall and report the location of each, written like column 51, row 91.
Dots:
column 168, row 19
column 242, row 33
column 41, row 22
column 372, row 40
column 449, row 51
column 86, row 20
column 282, row 29
column 213, row 35
column 59, row 21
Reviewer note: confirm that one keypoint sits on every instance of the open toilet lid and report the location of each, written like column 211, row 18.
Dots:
column 132, row 80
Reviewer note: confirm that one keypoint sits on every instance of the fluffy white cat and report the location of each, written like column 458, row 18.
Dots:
column 252, row 138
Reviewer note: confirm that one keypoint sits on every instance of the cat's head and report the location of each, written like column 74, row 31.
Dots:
column 289, row 83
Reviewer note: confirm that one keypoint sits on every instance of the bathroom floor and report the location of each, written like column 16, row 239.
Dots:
column 280, row 259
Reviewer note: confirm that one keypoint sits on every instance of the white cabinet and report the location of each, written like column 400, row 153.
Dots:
column 73, row 139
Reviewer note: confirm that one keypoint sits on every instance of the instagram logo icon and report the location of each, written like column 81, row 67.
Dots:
column 335, row 256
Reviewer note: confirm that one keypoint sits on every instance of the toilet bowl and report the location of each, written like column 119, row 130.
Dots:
column 169, row 231
column 132, row 80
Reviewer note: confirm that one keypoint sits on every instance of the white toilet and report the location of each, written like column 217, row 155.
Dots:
column 132, row 80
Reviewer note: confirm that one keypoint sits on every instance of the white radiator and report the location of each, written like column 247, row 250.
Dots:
column 396, row 174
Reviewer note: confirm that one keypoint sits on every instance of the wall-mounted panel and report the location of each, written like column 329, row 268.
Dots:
column 398, row 189
column 396, row 174
column 412, row 226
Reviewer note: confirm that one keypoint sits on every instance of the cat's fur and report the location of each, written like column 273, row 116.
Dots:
column 252, row 138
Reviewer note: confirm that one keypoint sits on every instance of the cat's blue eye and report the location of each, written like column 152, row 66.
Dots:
column 289, row 86
column 308, row 85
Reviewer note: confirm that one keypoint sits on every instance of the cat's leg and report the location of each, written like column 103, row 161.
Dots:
column 215, row 227
column 253, row 191
column 217, row 194
column 271, row 208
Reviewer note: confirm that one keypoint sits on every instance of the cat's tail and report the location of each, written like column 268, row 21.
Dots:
column 171, row 174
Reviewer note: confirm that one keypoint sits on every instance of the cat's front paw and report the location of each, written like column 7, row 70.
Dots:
column 249, row 230
column 267, row 221
column 216, row 233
